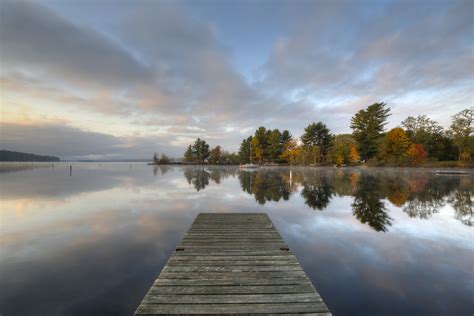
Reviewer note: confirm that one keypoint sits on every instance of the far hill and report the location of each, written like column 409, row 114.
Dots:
column 6, row 155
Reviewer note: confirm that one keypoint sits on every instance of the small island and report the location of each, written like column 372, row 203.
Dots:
column 416, row 142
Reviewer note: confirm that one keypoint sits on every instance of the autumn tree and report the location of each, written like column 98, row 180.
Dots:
column 341, row 149
column 367, row 126
column 310, row 155
column 395, row 145
column 416, row 153
column 354, row 153
column 436, row 142
column 216, row 155
column 291, row 153
column 462, row 129
column 259, row 145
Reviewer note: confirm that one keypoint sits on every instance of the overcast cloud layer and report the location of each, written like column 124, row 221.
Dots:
column 123, row 79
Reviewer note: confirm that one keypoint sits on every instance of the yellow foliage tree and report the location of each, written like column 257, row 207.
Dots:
column 354, row 154
column 395, row 145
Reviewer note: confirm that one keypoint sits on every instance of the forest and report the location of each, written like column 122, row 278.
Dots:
column 418, row 140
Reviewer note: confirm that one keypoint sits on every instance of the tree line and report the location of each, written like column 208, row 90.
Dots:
column 199, row 153
column 7, row 155
column 416, row 140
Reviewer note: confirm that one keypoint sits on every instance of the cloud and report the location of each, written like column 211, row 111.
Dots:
column 73, row 143
column 405, row 46
column 34, row 38
column 162, row 68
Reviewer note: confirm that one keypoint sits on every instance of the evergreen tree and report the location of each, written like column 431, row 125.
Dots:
column 188, row 155
column 259, row 145
column 274, row 145
column 367, row 126
column 317, row 134
column 285, row 137
column 200, row 150
column 244, row 150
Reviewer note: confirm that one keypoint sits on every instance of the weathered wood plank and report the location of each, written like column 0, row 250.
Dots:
column 234, row 275
column 229, row 289
column 268, row 308
column 232, row 264
column 231, row 269
column 177, row 257
column 232, row 282
column 231, row 298
column 232, row 252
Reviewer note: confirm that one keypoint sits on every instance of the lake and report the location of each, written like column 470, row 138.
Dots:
column 373, row 241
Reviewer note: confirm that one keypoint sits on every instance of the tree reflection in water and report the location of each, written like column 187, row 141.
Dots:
column 368, row 206
column 199, row 176
column 462, row 201
column 317, row 191
column 267, row 184
column 419, row 193
column 163, row 169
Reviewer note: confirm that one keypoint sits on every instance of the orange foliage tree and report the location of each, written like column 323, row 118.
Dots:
column 395, row 145
column 416, row 153
column 354, row 154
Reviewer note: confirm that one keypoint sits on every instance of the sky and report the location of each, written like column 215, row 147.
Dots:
column 116, row 79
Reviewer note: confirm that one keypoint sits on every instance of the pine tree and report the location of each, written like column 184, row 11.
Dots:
column 188, row 155
column 367, row 126
column 244, row 150
column 317, row 134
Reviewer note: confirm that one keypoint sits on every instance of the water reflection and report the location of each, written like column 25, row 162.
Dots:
column 266, row 185
column 368, row 206
column 95, row 241
column 317, row 189
column 199, row 176
column 162, row 168
column 420, row 194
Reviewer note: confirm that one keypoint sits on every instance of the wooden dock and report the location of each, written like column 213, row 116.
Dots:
column 232, row 263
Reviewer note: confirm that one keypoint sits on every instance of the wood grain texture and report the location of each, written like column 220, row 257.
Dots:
column 234, row 263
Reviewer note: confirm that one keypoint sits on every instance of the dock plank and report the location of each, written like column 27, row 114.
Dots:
column 234, row 263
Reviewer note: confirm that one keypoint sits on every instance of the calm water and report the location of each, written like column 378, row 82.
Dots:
column 373, row 241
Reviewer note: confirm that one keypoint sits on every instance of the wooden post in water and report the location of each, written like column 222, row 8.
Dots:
column 70, row 170
column 232, row 263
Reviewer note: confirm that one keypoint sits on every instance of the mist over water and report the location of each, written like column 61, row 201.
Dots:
column 373, row 241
